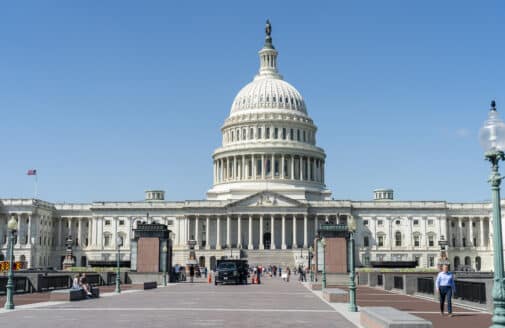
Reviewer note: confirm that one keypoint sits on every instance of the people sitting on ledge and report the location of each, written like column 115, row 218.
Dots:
column 81, row 283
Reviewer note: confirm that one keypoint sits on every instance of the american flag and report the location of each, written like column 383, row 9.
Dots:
column 31, row 172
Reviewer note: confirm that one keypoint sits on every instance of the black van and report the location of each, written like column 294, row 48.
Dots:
column 231, row 271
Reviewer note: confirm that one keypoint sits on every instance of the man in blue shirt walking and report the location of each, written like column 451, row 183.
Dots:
column 446, row 287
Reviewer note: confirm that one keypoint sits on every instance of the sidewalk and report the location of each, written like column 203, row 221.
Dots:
column 31, row 298
column 424, row 308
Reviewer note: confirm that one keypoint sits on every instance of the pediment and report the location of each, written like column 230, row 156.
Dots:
column 266, row 199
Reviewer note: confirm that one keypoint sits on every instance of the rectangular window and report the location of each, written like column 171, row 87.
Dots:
column 121, row 222
column 251, row 133
column 430, row 222
column 259, row 133
column 416, row 222
column 365, row 222
column 416, row 241
column 291, row 134
column 380, row 241
column 107, row 222
column 258, row 167
column 283, row 133
column 276, row 133
column 106, row 240
column 297, row 135
column 431, row 241
column 380, row 222
column 431, row 261
column 267, row 133
column 304, row 136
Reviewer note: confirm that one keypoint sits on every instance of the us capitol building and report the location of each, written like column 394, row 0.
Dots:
column 267, row 200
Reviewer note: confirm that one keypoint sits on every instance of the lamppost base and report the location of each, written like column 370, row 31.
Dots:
column 9, row 306
column 353, row 308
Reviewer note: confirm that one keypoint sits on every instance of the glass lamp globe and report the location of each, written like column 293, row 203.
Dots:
column 164, row 249
column 492, row 133
column 12, row 224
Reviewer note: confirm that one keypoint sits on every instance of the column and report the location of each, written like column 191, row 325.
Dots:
column 316, row 225
column 481, row 231
column 470, row 227
column 322, row 171
column 295, row 243
column 283, row 161
column 197, row 233
column 244, row 171
column 254, row 168
column 79, row 232
column 409, row 232
column 29, row 232
column 100, row 233
column 59, row 232
column 114, row 236
column 207, row 233
column 90, row 232
column 228, row 231
column 272, row 232
column 261, row 232
column 262, row 166
column 272, row 166
column 424, row 237
column 18, row 239
column 300, row 165
column 218, row 232
column 305, row 232
column 443, row 230
column 239, row 232
column 283, row 246
column 460, row 232
column 292, row 167
column 70, row 227
column 250, row 241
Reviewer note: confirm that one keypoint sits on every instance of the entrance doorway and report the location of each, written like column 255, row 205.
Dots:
column 213, row 263
column 267, row 239
column 201, row 261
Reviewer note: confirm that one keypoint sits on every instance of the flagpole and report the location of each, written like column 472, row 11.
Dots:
column 36, row 185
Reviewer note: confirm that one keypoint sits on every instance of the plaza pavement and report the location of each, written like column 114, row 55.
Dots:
column 274, row 303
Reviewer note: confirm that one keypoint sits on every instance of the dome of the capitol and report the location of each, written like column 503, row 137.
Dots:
column 266, row 93
column 268, row 140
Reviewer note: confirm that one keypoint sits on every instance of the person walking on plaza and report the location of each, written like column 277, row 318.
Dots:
column 446, row 287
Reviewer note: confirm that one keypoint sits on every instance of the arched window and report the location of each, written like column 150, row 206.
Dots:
column 478, row 263
column 456, row 262
column 106, row 239
column 468, row 260
column 417, row 240
column 398, row 238
column 381, row 240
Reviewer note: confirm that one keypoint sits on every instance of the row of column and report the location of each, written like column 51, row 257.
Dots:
column 194, row 231
column 272, row 166
column 459, row 233
column 24, row 229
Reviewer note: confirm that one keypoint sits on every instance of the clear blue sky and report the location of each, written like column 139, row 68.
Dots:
column 109, row 98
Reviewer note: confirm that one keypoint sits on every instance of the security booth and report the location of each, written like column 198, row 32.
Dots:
column 151, row 249
column 334, row 249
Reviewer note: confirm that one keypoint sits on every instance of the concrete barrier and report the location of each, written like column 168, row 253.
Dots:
column 388, row 317
column 335, row 295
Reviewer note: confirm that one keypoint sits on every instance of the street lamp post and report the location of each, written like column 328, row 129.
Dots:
column 311, row 249
column 164, row 250
column 119, row 243
column 323, row 243
column 9, row 302
column 492, row 139
column 351, row 223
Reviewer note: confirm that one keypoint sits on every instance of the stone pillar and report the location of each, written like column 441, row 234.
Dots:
column 295, row 243
column 207, row 233
column 100, row 233
column 29, row 232
column 408, row 240
column 272, row 232
column 443, row 230
column 316, row 225
column 70, row 228
column 79, row 232
column 228, row 231
column 272, row 166
column 305, row 231
column 292, row 159
column 460, row 232
column 90, row 233
column 283, row 246
column 263, row 166
column 282, row 167
column 59, row 231
column 197, row 232
column 239, row 232
column 481, row 231
column 261, row 232
column 300, row 165
column 250, row 241
column 254, row 167
column 243, row 170
column 470, row 227
column 218, row 231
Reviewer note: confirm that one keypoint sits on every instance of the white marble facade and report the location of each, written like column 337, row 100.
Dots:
column 268, row 198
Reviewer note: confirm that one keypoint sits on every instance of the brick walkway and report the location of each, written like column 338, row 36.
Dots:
column 463, row 318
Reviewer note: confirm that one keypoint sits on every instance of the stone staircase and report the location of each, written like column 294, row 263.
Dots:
column 278, row 257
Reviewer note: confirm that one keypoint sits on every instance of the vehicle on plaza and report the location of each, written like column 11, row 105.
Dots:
column 231, row 271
